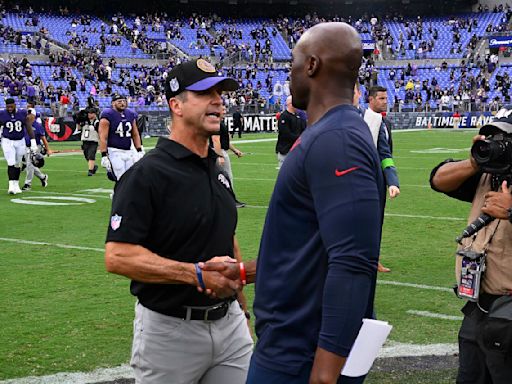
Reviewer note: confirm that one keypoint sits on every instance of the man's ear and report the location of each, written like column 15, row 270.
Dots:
column 313, row 65
column 176, row 106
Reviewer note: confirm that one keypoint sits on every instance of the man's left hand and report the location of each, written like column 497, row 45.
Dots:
column 497, row 203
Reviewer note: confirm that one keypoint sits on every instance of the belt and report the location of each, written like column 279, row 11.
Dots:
column 486, row 299
column 213, row 313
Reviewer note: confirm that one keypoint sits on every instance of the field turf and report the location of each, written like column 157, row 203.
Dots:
column 61, row 312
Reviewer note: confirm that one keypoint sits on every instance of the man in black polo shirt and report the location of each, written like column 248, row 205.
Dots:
column 171, row 211
column 290, row 127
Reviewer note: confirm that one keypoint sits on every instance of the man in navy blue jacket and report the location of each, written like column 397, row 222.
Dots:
column 317, row 264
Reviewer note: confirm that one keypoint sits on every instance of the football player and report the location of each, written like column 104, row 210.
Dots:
column 120, row 144
column 15, row 123
column 35, row 162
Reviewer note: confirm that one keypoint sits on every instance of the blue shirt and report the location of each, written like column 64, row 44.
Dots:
column 320, row 244
column 14, row 124
column 121, row 126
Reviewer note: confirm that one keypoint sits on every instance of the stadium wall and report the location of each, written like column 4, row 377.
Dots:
column 65, row 129
column 418, row 120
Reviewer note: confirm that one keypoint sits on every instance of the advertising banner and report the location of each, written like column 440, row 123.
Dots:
column 500, row 41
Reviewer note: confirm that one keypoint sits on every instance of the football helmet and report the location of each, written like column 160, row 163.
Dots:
column 37, row 159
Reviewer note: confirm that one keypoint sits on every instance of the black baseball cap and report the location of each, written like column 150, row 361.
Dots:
column 196, row 75
column 501, row 123
column 118, row 96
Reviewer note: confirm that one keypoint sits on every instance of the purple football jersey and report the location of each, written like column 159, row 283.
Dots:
column 121, row 125
column 14, row 124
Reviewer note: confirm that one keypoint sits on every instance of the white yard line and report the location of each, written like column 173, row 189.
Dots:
column 21, row 241
column 425, row 217
column 98, row 375
column 412, row 285
column 27, row 194
column 394, row 349
column 389, row 214
column 434, row 315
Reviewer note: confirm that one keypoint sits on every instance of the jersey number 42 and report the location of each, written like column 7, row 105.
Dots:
column 124, row 129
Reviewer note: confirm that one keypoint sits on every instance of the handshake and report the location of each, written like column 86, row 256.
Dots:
column 220, row 277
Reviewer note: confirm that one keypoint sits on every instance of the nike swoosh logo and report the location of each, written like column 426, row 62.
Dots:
column 342, row 173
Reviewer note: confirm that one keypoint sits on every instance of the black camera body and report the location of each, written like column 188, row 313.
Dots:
column 494, row 154
column 81, row 117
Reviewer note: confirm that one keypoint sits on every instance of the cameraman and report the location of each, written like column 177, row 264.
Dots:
column 89, row 123
column 482, row 362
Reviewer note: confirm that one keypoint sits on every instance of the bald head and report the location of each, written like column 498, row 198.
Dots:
column 326, row 61
column 289, row 104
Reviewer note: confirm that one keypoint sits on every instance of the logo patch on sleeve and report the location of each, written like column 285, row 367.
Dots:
column 224, row 180
column 115, row 222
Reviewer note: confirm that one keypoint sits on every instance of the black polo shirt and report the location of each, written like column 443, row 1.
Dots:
column 290, row 127
column 224, row 136
column 179, row 206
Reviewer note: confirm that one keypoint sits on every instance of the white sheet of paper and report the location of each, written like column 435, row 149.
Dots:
column 371, row 337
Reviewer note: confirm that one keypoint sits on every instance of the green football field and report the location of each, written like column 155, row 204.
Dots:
column 61, row 312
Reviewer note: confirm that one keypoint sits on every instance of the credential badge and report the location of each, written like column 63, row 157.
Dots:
column 174, row 84
column 115, row 221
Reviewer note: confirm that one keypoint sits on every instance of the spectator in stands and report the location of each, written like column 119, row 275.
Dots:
column 64, row 102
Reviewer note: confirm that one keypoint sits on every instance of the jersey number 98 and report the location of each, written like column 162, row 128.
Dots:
column 14, row 126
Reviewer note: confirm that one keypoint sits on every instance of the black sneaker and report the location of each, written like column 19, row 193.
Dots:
column 94, row 169
column 44, row 181
column 239, row 204
column 90, row 173
column 26, row 187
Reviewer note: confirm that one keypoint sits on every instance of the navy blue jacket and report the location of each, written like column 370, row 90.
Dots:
column 320, row 244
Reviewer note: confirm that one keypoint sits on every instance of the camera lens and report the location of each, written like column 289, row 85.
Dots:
column 484, row 151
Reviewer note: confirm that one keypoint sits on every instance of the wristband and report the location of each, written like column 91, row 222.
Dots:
column 139, row 149
column 247, row 315
column 243, row 275
column 199, row 274
column 103, row 154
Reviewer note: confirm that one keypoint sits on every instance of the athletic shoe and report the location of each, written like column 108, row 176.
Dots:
column 239, row 204
column 90, row 173
column 94, row 169
column 26, row 187
column 16, row 188
column 44, row 181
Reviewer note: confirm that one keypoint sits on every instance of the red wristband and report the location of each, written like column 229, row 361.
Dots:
column 243, row 276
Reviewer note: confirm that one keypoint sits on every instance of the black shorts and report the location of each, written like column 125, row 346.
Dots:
column 90, row 148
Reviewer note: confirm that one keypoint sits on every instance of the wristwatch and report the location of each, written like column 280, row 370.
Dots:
column 509, row 214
